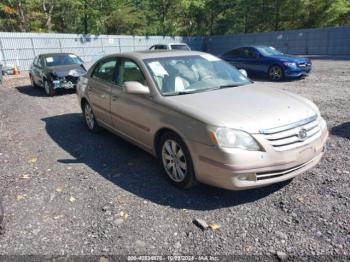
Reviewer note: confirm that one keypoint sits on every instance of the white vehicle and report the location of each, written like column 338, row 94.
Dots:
column 171, row 46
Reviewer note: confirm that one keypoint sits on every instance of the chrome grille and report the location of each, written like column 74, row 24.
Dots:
column 293, row 135
column 278, row 173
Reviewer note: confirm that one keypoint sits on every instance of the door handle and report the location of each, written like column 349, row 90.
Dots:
column 114, row 98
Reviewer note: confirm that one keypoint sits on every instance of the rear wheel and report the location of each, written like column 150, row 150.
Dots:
column 176, row 161
column 276, row 73
column 90, row 119
column 49, row 90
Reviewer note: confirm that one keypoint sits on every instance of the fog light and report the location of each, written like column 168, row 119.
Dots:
column 247, row 177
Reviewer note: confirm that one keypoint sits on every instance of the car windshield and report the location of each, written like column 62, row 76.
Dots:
column 180, row 47
column 192, row 74
column 269, row 50
column 62, row 59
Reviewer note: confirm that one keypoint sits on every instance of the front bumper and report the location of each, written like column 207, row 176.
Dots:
column 65, row 83
column 297, row 72
column 238, row 169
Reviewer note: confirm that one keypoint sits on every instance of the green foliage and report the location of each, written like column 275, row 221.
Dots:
column 170, row 17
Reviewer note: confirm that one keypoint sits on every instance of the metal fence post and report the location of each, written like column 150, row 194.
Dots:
column 33, row 47
column 102, row 47
column 2, row 52
column 60, row 44
column 0, row 84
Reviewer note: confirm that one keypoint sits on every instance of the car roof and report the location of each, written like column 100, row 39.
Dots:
column 174, row 43
column 147, row 54
column 55, row 54
column 253, row 46
column 177, row 44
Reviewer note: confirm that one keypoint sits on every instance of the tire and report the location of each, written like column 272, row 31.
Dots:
column 90, row 119
column 49, row 89
column 176, row 161
column 32, row 82
column 276, row 73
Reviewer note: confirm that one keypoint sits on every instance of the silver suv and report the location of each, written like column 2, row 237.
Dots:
column 171, row 46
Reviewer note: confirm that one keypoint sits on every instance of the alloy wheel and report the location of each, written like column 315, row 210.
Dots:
column 174, row 160
column 89, row 116
column 275, row 73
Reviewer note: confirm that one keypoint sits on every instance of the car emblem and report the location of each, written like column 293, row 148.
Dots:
column 302, row 135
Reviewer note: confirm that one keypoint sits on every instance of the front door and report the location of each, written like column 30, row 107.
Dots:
column 131, row 114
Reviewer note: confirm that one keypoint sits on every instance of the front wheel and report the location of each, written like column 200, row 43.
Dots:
column 49, row 90
column 176, row 161
column 276, row 73
column 90, row 119
column 32, row 82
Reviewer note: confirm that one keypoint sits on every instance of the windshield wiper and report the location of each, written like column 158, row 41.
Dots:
column 196, row 91
column 227, row 86
column 190, row 91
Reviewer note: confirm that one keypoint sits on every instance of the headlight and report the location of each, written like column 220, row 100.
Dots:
column 226, row 137
column 290, row 64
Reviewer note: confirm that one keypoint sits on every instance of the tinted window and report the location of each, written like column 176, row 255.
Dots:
column 105, row 70
column 235, row 52
column 180, row 47
column 40, row 62
column 35, row 61
column 130, row 71
column 160, row 47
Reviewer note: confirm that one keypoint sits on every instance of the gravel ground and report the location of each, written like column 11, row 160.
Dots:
column 66, row 191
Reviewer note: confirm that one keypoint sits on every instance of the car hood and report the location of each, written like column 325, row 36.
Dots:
column 290, row 58
column 72, row 70
column 249, row 108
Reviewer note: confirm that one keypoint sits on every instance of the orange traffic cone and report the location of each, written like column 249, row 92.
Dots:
column 15, row 70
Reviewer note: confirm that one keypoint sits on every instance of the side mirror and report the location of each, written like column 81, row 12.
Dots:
column 136, row 88
column 243, row 72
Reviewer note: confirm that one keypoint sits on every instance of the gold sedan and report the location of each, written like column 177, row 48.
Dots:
column 203, row 118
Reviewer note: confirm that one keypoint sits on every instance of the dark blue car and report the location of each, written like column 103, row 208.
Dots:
column 268, row 61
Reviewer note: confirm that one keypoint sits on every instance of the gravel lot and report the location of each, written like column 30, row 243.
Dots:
column 68, row 192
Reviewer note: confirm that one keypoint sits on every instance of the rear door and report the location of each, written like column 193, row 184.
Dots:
column 254, row 61
column 234, row 57
column 100, row 84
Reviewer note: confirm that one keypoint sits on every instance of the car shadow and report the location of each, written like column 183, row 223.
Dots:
column 342, row 130
column 39, row 92
column 134, row 170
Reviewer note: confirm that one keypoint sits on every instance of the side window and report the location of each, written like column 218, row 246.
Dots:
column 160, row 47
column 234, row 52
column 130, row 71
column 40, row 62
column 245, row 52
column 105, row 70
column 35, row 61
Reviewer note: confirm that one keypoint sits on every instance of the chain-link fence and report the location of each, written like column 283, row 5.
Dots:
column 20, row 48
